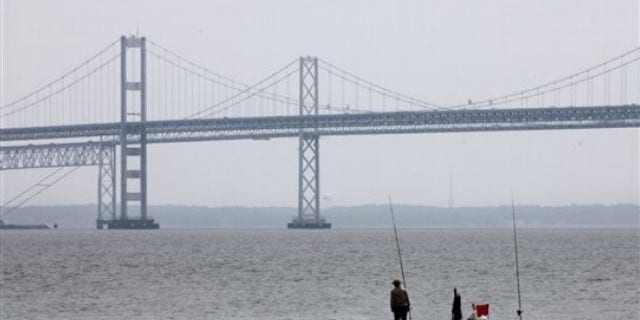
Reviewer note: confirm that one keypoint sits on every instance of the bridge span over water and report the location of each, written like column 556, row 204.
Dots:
column 136, row 92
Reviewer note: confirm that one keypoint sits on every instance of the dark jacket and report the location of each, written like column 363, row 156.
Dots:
column 456, row 310
column 399, row 298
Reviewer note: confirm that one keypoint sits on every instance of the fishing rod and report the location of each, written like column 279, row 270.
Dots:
column 395, row 232
column 515, row 245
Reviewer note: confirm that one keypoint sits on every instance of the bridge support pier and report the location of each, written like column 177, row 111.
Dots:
column 309, row 153
column 106, row 186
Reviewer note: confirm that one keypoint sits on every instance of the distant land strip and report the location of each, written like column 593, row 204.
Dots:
column 363, row 216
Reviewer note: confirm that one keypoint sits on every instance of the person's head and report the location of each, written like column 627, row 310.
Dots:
column 473, row 306
column 455, row 291
column 396, row 282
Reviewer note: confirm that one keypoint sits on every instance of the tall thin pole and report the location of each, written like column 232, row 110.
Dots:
column 395, row 232
column 515, row 244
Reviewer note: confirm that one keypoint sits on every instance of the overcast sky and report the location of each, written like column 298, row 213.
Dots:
column 441, row 51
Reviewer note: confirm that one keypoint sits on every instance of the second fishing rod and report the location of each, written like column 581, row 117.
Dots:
column 395, row 232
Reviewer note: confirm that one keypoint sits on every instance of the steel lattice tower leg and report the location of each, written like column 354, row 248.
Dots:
column 133, row 143
column 106, row 185
column 309, row 152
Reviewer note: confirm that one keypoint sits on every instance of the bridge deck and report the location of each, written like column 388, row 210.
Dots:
column 347, row 124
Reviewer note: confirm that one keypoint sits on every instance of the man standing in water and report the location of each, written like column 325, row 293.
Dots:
column 456, row 310
column 399, row 301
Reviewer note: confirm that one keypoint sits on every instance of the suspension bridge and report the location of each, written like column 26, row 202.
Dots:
column 135, row 92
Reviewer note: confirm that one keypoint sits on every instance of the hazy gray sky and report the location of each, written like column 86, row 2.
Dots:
column 441, row 51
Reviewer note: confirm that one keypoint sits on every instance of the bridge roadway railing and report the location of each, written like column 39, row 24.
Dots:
column 623, row 116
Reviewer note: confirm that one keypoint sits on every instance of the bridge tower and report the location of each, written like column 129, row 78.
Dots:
column 133, row 139
column 309, row 152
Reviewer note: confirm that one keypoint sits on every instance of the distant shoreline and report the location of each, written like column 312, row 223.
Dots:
column 353, row 217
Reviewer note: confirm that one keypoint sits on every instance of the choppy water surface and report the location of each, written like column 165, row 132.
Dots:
column 328, row 274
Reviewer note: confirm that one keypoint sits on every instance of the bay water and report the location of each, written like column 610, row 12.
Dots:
column 316, row 274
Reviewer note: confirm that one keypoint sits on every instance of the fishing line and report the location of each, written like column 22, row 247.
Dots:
column 395, row 232
column 515, row 244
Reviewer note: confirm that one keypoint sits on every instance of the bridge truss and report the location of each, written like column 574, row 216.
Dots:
column 100, row 154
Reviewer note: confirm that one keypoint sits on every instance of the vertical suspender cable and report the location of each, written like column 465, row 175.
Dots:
column 107, row 94
column 384, row 101
column 53, row 115
column 193, row 89
column 100, row 110
column 343, row 90
column 622, row 80
column 213, row 91
column 167, row 76
column 273, row 97
column 178, row 101
column 61, row 107
column 51, row 101
column 357, row 94
column 170, row 101
column 82, row 112
column 226, row 93
column 35, row 115
column 589, row 88
column 150, row 74
column 92, row 96
column 87, row 96
column 74, row 105
column 203, row 96
column 623, row 90
column 189, row 87
column 329, row 88
column 197, row 88
column 217, row 91
column 605, row 86
column 572, row 91
column 288, row 88
column 185, row 88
